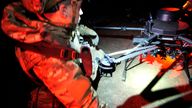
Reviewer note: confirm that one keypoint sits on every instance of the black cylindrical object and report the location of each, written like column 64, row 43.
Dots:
column 168, row 14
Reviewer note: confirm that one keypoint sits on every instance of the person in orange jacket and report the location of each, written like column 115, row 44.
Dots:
column 43, row 30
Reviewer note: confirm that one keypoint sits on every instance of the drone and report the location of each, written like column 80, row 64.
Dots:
column 165, row 35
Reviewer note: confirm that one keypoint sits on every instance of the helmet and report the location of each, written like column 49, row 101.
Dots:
column 57, row 12
column 38, row 6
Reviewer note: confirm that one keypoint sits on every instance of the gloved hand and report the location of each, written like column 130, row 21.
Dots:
column 97, row 55
column 88, row 33
column 76, row 41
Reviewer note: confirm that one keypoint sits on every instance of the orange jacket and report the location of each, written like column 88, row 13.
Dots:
column 63, row 78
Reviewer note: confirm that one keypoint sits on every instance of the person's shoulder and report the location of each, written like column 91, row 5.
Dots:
column 8, row 9
column 13, row 5
column 6, row 3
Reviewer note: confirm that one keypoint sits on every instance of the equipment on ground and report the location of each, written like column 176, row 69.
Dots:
column 166, row 35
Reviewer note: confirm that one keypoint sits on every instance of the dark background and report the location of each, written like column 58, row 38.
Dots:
column 96, row 12
column 16, row 86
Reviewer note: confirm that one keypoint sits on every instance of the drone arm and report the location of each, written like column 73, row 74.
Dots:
column 185, row 39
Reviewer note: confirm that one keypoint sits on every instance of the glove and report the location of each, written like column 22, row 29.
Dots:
column 85, row 31
column 76, row 41
column 97, row 55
